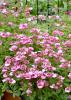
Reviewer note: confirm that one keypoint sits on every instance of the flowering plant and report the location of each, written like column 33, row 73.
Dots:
column 38, row 62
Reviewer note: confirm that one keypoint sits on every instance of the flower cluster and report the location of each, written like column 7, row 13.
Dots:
column 5, row 34
column 32, row 60
column 68, row 42
column 42, row 17
column 58, row 32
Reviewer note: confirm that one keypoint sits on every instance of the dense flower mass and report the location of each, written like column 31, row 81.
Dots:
column 35, row 57
column 32, row 60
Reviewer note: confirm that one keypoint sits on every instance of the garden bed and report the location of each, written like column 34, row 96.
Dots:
column 35, row 53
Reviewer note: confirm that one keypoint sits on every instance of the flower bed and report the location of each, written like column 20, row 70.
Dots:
column 34, row 63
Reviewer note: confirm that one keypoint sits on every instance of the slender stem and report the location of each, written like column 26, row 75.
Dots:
column 48, row 13
column 26, row 2
column 37, row 10
column 58, row 7
column 47, row 8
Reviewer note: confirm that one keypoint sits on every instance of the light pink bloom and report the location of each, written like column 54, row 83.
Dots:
column 4, row 11
column 28, row 91
column 5, row 75
column 41, row 83
column 67, row 43
column 69, row 36
column 5, row 80
column 9, row 80
column 38, row 60
column 5, row 34
column 35, row 30
column 58, row 32
column 7, row 62
column 31, row 18
column 13, row 48
column 23, row 26
column 42, row 17
column 69, row 75
column 57, row 17
column 68, row 89
column 4, row 70
column 65, row 64
column 12, row 81
column 10, row 24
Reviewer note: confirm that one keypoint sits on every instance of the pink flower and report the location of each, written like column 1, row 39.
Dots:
column 27, row 76
column 13, row 48
column 19, row 57
column 68, row 12
column 12, row 81
column 58, row 32
column 55, row 86
column 57, row 17
column 8, row 34
column 5, row 35
column 57, row 45
column 60, row 52
column 4, row 70
column 5, row 80
column 23, row 26
column 62, row 60
column 69, row 75
column 42, row 74
column 50, row 17
column 31, row 18
column 41, row 84
column 4, row 11
column 38, row 60
column 16, row 14
column 65, row 64
column 67, row 43
column 28, row 91
column 68, row 89
column 54, row 75
column 69, row 36
column 7, row 62
column 35, row 30
column 42, row 17
column 9, row 80
column 10, row 24
column 61, row 78
column 4, row 75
